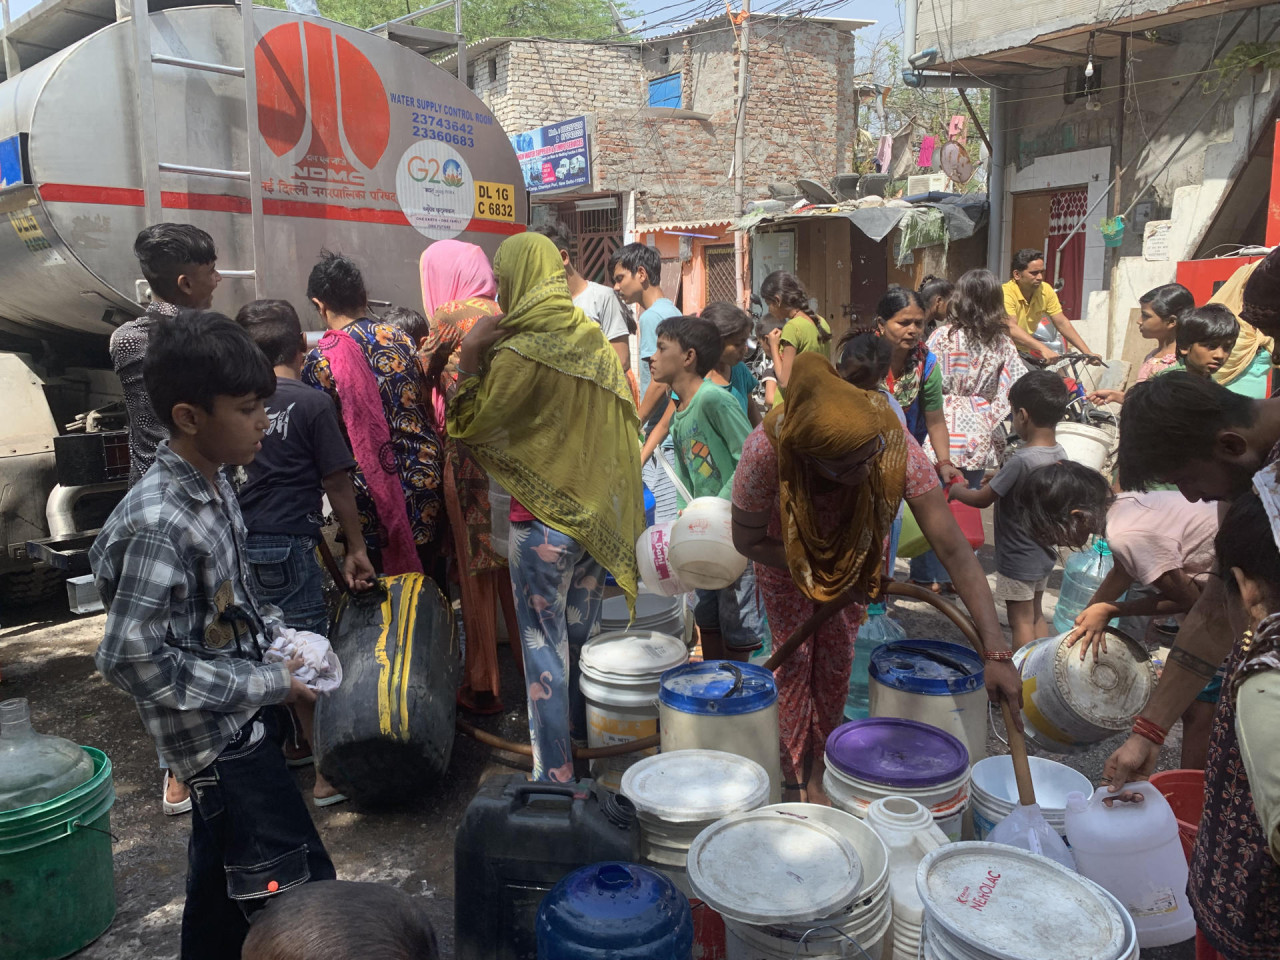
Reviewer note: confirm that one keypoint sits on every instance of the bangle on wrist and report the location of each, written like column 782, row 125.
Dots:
column 998, row 655
column 463, row 374
column 1150, row 730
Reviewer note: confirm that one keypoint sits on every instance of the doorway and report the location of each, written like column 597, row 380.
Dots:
column 1042, row 219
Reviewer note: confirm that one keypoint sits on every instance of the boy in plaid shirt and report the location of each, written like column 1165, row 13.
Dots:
column 185, row 635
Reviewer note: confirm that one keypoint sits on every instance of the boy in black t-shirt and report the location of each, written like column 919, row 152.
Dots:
column 304, row 456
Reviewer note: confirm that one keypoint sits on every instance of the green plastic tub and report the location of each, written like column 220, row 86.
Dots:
column 57, row 891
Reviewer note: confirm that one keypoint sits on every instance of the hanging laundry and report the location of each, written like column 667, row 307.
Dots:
column 955, row 129
column 884, row 153
column 925, row 159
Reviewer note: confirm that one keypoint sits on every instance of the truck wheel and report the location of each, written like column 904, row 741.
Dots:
column 26, row 588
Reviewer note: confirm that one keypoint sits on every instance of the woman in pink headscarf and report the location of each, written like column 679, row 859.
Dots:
column 458, row 288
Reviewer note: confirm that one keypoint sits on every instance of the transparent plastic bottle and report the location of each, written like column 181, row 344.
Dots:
column 1082, row 574
column 35, row 767
column 878, row 630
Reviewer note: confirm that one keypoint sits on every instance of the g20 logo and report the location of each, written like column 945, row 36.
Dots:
column 431, row 170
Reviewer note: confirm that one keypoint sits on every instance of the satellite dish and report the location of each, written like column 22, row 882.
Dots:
column 955, row 162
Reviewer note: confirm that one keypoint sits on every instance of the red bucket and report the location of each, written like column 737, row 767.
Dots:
column 708, row 932
column 1184, row 789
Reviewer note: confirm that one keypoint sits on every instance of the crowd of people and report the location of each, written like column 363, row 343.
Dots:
column 516, row 381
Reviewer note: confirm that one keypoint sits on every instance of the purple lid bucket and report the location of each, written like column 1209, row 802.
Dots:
column 896, row 753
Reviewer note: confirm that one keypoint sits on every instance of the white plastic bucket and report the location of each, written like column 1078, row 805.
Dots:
column 1085, row 444
column 933, row 682
column 946, row 802
column 988, row 901
column 678, row 794
column 993, row 792
column 1069, row 704
column 702, row 551
column 820, row 941
column 620, row 676
column 653, row 557
column 653, row 612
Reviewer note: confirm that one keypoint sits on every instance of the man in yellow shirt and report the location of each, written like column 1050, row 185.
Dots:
column 1028, row 300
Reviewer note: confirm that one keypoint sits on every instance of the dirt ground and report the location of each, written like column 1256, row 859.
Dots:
column 46, row 655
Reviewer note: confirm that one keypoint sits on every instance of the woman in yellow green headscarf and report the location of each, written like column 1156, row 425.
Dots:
column 814, row 495
column 543, row 404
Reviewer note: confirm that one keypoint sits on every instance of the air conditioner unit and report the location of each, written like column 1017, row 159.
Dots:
column 926, row 183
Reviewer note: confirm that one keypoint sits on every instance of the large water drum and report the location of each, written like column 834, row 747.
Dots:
column 934, row 682
column 614, row 911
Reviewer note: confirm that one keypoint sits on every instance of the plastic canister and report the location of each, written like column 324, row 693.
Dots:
column 878, row 629
column 909, row 833
column 35, row 767
column 614, row 911
column 993, row 791
column 653, row 558
column 935, row 682
column 988, row 901
column 677, row 794
column 888, row 757
column 1133, row 850
column 722, row 705
column 1069, row 703
column 702, row 550
column 1082, row 575
column 620, row 676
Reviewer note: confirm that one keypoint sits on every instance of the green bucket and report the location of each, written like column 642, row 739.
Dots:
column 57, row 890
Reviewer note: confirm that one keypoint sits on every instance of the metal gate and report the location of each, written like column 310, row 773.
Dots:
column 722, row 283
column 597, row 236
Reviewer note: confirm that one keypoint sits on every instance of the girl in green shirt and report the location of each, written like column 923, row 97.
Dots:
column 802, row 330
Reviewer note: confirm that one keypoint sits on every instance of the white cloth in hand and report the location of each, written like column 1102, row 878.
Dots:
column 320, row 668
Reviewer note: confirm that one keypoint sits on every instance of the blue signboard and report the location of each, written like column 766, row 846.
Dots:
column 555, row 157
column 11, row 161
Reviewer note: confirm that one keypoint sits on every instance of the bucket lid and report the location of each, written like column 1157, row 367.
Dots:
column 932, row 667
column 718, row 687
column 896, row 753
column 607, row 906
column 632, row 654
column 649, row 607
column 761, row 868
column 686, row 786
column 1015, row 905
column 1109, row 691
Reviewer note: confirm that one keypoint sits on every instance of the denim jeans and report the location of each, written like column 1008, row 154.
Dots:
column 287, row 575
column 251, row 837
column 736, row 611
column 558, row 588
column 927, row 568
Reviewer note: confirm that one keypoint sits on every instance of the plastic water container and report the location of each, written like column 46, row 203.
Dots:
column 878, row 630
column 1069, row 704
column 935, row 682
column 993, row 791
column 868, row 760
column 516, row 841
column 909, row 833
column 615, row 911
column 680, row 793
column 620, row 676
column 988, row 901
column 722, row 705
column 654, row 612
column 1082, row 575
column 35, row 767
column 1133, row 850
column 653, row 558
column 1184, row 789
column 1085, row 444
column 702, row 551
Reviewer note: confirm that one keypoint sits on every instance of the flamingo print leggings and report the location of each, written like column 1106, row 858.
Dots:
column 558, row 589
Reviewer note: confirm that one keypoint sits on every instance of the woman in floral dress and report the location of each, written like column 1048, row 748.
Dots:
column 835, row 462
column 370, row 369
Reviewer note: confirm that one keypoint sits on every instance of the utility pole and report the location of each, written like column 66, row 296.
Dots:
column 739, row 157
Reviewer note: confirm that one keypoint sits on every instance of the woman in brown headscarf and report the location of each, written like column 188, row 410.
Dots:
column 814, row 495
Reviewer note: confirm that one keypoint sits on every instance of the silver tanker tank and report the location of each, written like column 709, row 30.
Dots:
column 368, row 148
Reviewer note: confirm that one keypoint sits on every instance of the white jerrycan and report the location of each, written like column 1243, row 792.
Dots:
column 909, row 832
column 1132, row 849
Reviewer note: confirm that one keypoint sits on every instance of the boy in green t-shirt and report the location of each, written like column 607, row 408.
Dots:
column 708, row 429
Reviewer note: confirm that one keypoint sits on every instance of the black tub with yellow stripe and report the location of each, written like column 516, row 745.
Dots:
column 386, row 734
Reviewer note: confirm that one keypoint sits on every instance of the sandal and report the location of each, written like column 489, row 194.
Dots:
column 173, row 809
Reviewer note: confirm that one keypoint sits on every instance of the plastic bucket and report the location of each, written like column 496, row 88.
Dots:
column 1085, row 444
column 55, row 858
column 620, row 676
column 994, row 792
column 653, row 556
column 721, row 705
column 1070, row 704
column 933, row 682
column 654, row 612
column 1184, row 789
column 868, row 760
column 702, row 551
column 817, row 941
column 988, row 901
column 708, row 931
